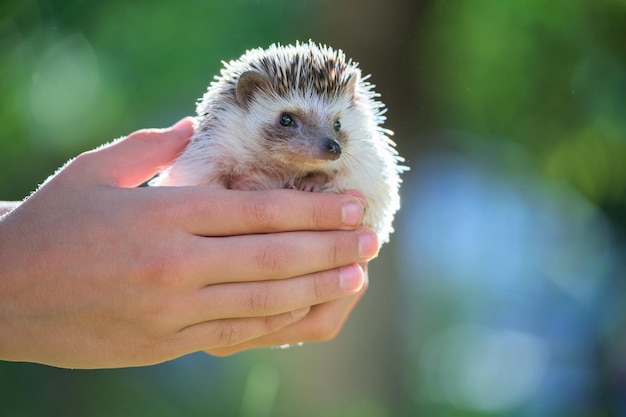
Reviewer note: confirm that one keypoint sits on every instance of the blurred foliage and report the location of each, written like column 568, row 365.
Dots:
column 76, row 74
column 502, row 292
column 549, row 75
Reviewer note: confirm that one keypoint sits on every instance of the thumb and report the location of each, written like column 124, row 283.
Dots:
column 134, row 159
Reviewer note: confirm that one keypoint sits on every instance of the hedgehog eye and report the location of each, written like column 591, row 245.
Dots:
column 286, row 120
column 337, row 125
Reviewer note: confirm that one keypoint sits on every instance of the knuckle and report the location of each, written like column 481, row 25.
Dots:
column 141, row 135
column 78, row 165
column 81, row 160
column 270, row 324
column 319, row 288
column 261, row 211
column 343, row 249
column 319, row 215
column 260, row 298
column 272, row 258
column 164, row 269
column 229, row 333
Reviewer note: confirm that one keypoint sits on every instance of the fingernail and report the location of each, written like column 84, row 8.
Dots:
column 300, row 313
column 361, row 199
column 352, row 214
column 351, row 278
column 368, row 245
column 366, row 279
column 356, row 194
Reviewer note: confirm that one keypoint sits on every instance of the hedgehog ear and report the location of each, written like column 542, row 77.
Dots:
column 351, row 85
column 248, row 83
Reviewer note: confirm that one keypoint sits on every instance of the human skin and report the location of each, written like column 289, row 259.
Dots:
column 97, row 273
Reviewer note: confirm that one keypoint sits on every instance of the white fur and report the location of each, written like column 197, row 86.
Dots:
column 233, row 146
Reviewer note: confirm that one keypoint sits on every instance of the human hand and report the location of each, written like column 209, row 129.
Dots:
column 322, row 323
column 96, row 273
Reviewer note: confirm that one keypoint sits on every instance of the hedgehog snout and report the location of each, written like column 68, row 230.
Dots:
column 331, row 149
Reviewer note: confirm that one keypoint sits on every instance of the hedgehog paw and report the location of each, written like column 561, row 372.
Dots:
column 309, row 187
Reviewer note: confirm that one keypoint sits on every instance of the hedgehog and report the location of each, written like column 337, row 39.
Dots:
column 297, row 116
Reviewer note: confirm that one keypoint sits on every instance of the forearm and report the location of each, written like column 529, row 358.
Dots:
column 7, row 206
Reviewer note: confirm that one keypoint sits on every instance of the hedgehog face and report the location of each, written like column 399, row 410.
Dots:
column 299, row 108
column 299, row 129
column 303, row 137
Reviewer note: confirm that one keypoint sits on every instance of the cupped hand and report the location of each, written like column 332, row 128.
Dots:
column 95, row 272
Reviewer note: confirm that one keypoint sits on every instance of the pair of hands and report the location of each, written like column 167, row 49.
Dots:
column 97, row 273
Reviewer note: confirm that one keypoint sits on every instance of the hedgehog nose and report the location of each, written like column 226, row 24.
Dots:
column 332, row 149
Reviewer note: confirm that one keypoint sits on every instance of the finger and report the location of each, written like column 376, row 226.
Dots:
column 357, row 194
column 322, row 323
column 266, row 298
column 131, row 161
column 209, row 212
column 220, row 333
column 276, row 255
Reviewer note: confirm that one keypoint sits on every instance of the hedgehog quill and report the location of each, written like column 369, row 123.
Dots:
column 297, row 116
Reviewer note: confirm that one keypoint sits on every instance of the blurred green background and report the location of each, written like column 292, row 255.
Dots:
column 503, row 290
